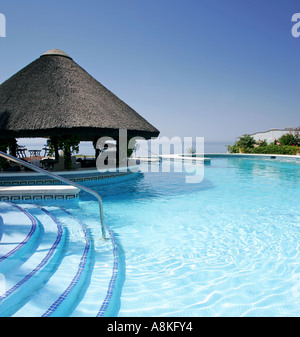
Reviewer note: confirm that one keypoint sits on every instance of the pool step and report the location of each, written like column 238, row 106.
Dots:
column 61, row 294
column 19, row 238
column 22, row 283
column 104, row 275
column 28, row 192
column 63, row 271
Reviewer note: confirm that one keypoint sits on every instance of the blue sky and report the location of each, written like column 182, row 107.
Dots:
column 210, row 68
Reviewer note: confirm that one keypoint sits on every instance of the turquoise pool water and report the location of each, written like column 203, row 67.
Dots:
column 226, row 247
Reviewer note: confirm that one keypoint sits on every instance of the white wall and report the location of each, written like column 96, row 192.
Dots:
column 269, row 135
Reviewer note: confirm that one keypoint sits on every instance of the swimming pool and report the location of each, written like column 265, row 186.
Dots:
column 228, row 246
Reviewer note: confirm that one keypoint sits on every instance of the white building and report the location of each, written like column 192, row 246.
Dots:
column 272, row 134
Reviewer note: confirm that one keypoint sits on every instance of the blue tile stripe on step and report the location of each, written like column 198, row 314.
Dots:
column 40, row 265
column 80, row 270
column 29, row 235
column 112, row 282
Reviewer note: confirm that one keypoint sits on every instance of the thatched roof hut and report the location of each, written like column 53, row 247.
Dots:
column 54, row 96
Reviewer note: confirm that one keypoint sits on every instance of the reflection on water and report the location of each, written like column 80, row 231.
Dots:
column 150, row 185
column 226, row 247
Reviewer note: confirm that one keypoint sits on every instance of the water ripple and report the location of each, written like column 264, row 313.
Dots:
column 230, row 248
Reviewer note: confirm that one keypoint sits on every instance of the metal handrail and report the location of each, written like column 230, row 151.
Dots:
column 67, row 181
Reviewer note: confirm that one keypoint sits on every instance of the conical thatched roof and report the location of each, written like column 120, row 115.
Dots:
column 54, row 96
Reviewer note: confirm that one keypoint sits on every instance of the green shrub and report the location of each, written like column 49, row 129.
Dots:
column 290, row 139
column 245, row 143
column 275, row 149
column 288, row 144
column 233, row 148
column 262, row 142
column 191, row 150
column 69, row 145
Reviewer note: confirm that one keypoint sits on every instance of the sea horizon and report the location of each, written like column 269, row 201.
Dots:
column 86, row 148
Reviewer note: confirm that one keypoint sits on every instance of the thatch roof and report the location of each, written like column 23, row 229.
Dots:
column 54, row 96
